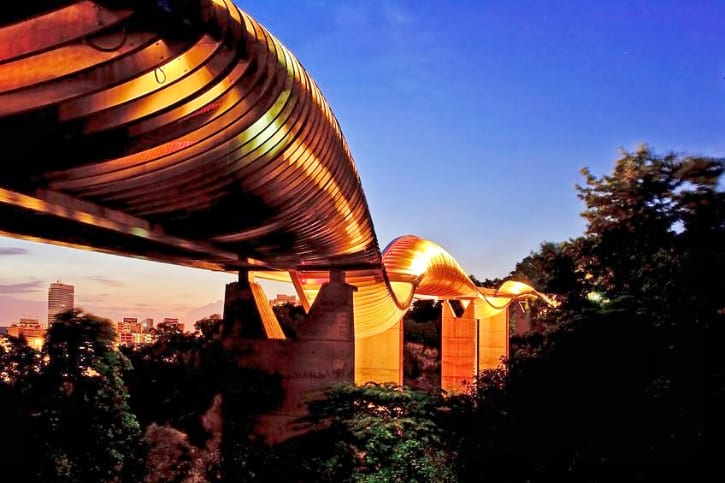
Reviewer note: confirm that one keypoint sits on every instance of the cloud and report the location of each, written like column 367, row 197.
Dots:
column 106, row 281
column 13, row 251
column 12, row 310
column 204, row 311
column 362, row 14
column 351, row 15
column 26, row 287
column 396, row 16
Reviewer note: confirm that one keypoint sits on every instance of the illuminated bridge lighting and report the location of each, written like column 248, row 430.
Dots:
column 201, row 141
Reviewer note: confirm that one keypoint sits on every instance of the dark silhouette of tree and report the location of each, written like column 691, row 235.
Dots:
column 20, row 365
column 174, row 389
column 290, row 317
column 424, row 310
column 168, row 384
column 18, row 361
column 551, row 269
column 90, row 433
column 375, row 432
column 487, row 283
column 583, row 409
column 614, row 390
column 652, row 224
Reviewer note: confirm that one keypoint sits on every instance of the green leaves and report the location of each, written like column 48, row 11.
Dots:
column 638, row 215
column 381, row 432
column 75, row 407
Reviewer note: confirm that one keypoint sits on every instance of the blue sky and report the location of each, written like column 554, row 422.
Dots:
column 469, row 122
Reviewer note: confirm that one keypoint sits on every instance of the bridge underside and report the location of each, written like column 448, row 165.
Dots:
column 142, row 127
column 182, row 131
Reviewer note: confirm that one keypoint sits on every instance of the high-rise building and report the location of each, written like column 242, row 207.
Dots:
column 60, row 299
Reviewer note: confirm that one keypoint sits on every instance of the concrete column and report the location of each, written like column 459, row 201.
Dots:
column 471, row 343
column 379, row 358
column 323, row 353
column 493, row 340
column 459, row 349
column 241, row 315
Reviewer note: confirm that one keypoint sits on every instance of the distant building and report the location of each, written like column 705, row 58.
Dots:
column 282, row 299
column 31, row 329
column 173, row 322
column 147, row 324
column 131, row 332
column 132, row 324
column 60, row 299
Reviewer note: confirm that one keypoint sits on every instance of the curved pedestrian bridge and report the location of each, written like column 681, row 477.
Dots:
column 182, row 131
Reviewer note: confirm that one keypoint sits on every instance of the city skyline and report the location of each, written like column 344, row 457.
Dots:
column 454, row 111
column 43, row 311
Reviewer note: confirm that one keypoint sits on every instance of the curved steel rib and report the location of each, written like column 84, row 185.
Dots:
column 183, row 131
column 412, row 267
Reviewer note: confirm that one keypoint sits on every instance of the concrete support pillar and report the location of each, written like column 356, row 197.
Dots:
column 471, row 343
column 247, row 313
column 241, row 315
column 459, row 348
column 493, row 340
column 379, row 358
column 322, row 353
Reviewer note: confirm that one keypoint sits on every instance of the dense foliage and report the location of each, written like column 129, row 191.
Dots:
column 374, row 433
column 609, row 387
column 614, row 387
column 72, row 421
column 182, row 386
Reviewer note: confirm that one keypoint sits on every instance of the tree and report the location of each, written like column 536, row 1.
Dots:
column 18, row 361
column 375, row 432
column 290, row 317
column 184, row 380
column 487, row 283
column 424, row 310
column 651, row 225
column 19, row 368
column 616, row 389
column 82, row 403
column 551, row 269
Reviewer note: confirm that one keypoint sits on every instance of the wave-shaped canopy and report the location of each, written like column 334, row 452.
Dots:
column 183, row 131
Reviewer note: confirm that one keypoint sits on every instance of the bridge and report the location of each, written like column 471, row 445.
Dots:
column 184, row 132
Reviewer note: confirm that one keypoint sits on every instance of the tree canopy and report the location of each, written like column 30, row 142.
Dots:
column 614, row 389
column 81, row 405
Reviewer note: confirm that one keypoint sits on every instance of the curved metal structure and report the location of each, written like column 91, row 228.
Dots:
column 412, row 267
column 183, row 131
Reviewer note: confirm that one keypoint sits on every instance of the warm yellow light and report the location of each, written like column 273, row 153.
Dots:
column 200, row 120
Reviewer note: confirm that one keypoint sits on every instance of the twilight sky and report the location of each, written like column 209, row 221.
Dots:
column 469, row 122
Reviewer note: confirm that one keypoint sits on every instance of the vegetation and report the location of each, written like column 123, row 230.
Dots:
column 290, row 317
column 614, row 387
column 372, row 433
column 609, row 388
column 71, row 420
column 177, row 386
